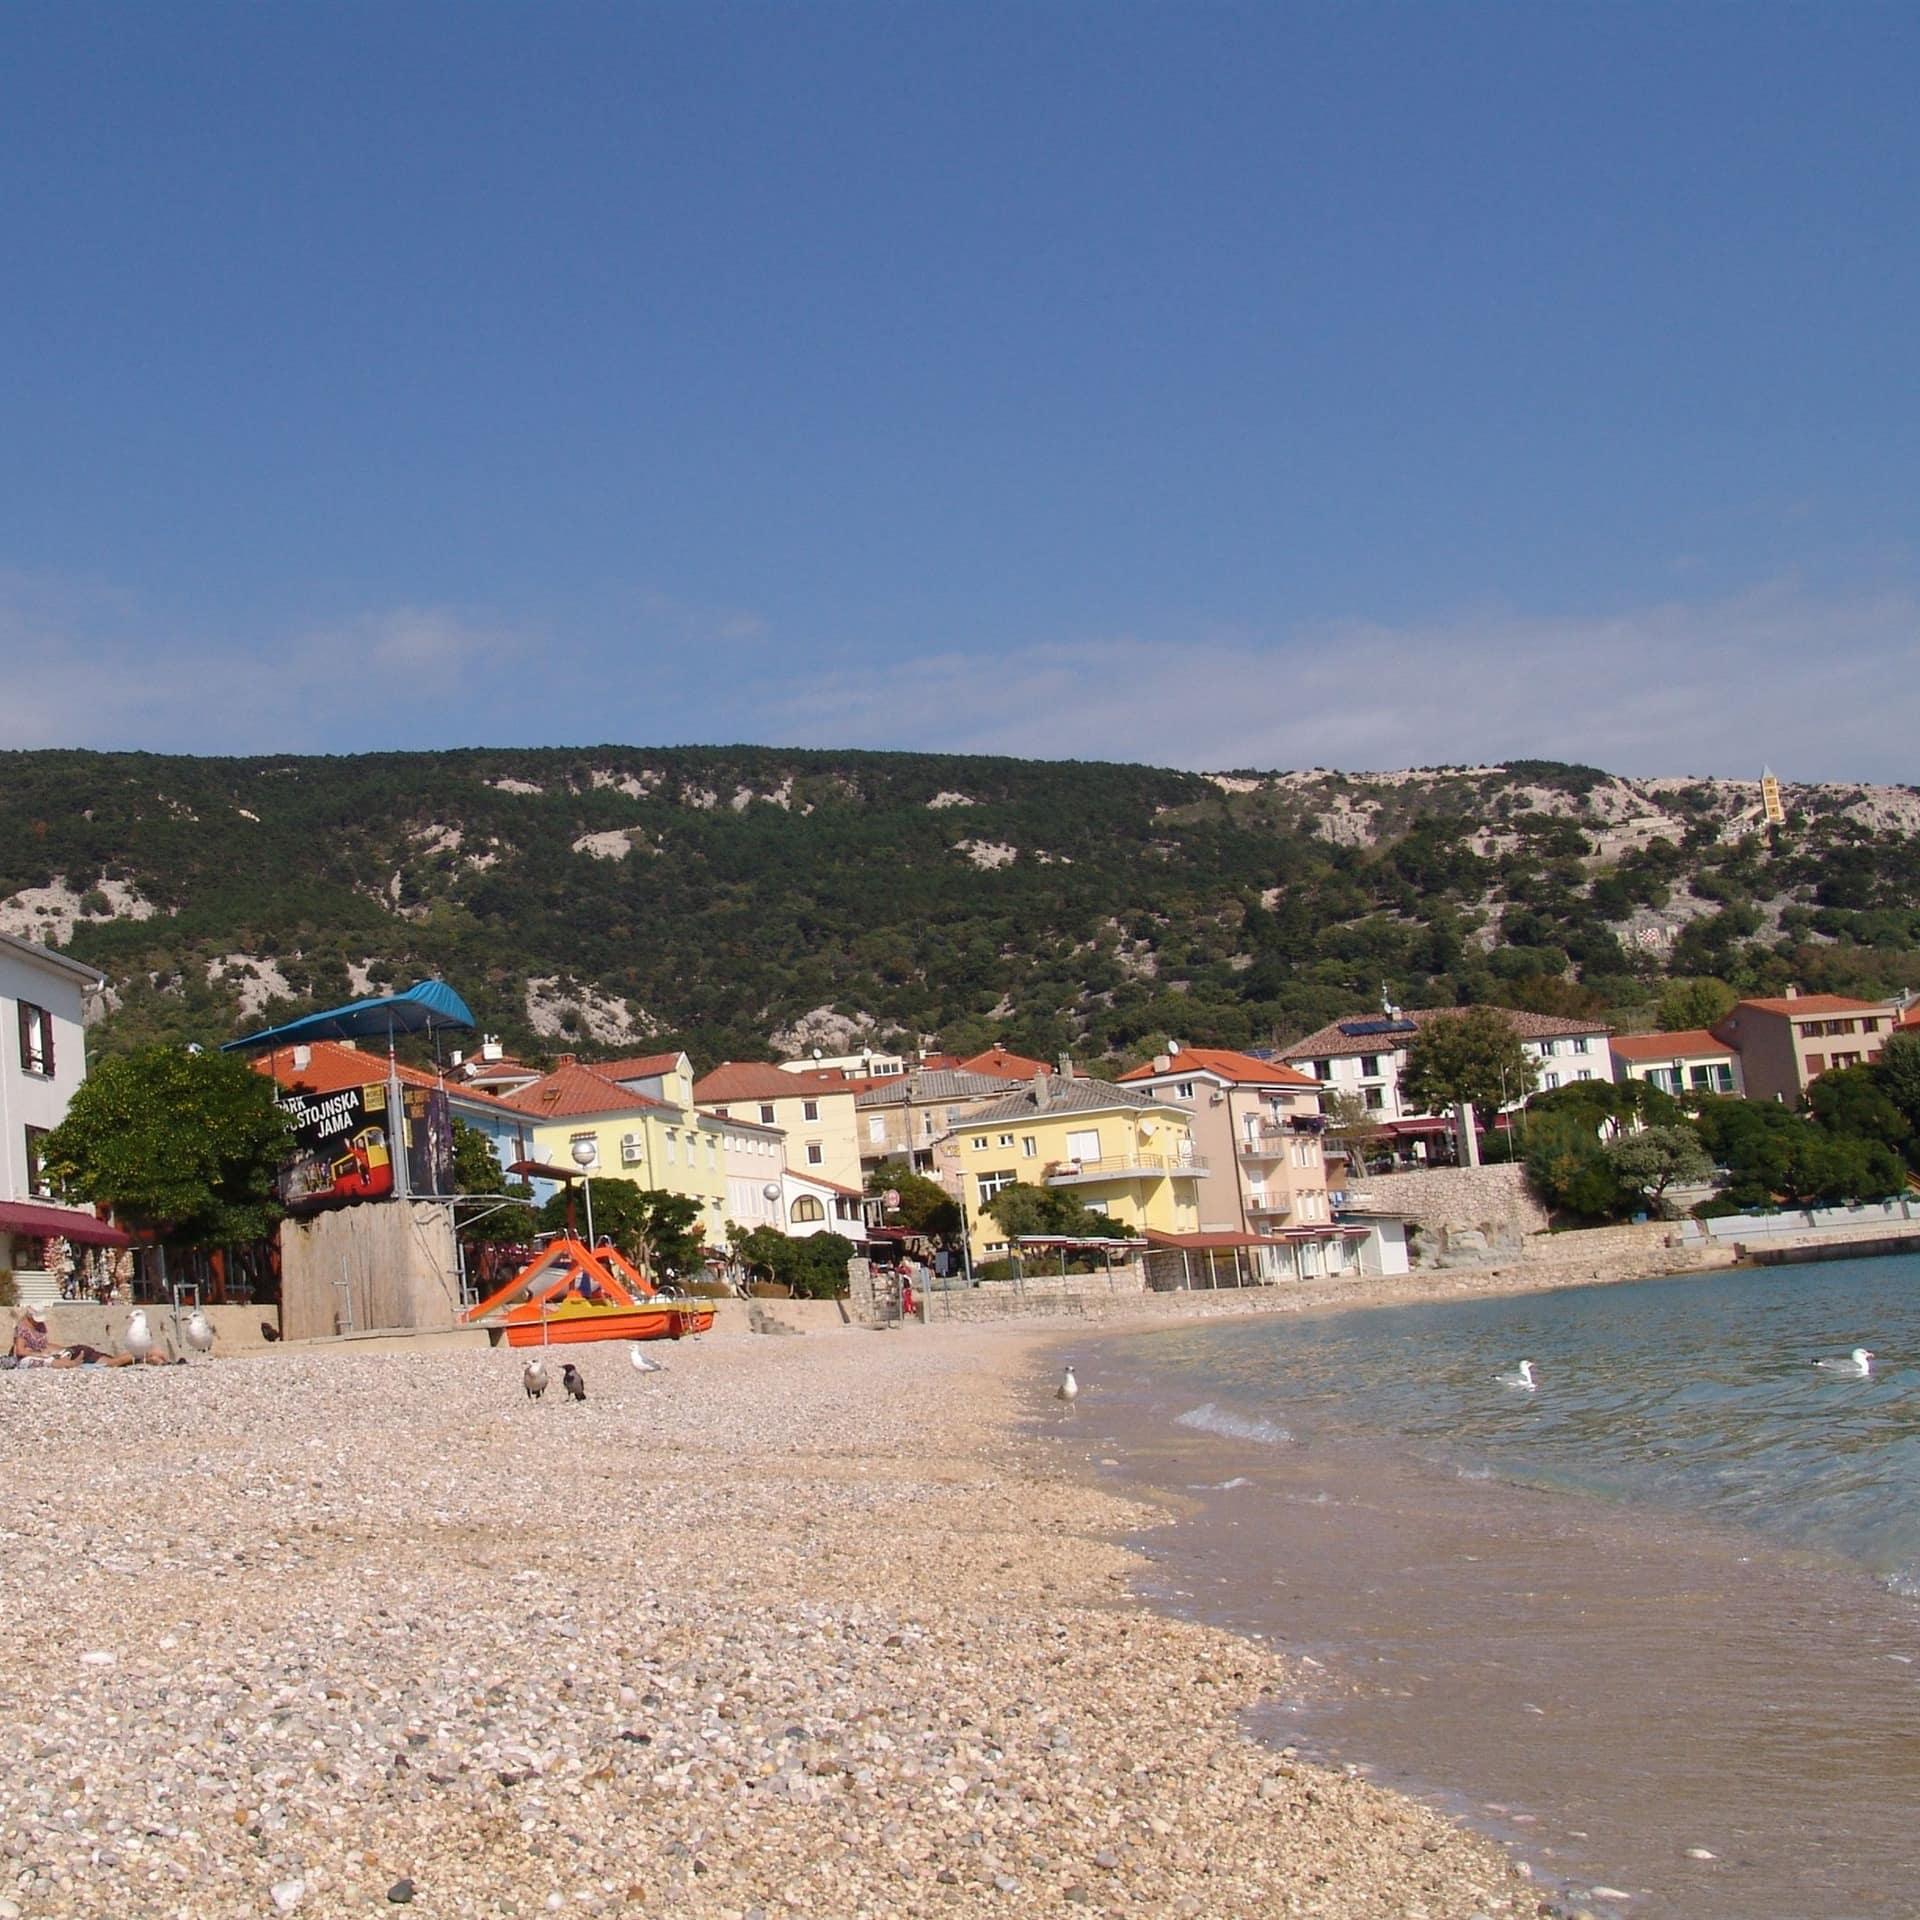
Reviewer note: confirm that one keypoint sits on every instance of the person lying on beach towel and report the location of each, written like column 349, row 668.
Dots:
column 31, row 1347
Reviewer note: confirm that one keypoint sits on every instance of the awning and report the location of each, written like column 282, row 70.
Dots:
column 41, row 1222
column 1410, row 1129
column 1206, row 1242
column 432, row 1003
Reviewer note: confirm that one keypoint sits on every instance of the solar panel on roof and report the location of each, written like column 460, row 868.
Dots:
column 1362, row 1029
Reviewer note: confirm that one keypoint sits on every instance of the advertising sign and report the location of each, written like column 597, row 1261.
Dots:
column 429, row 1140
column 341, row 1149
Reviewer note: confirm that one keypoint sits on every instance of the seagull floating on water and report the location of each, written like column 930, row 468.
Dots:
column 1521, row 1377
column 1858, row 1365
column 1069, row 1388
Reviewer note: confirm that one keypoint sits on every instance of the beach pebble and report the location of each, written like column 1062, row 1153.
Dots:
column 400, row 1894
column 288, row 1894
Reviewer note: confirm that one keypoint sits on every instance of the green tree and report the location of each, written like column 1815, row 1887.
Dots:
column 1570, row 1168
column 1693, row 1003
column 1898, row 1073
column 1854, row 1100
column 1023, row 1209
column 1656, row 1158
column 1474, row 1057
column 477, row 1172
column 656, row 1231
column 925, row 1205
column 813, row 1265
column 184, row 1143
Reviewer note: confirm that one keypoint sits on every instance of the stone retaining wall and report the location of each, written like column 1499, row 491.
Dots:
column 1450, row 1201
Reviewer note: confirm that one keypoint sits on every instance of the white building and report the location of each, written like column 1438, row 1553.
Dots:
column 1365, row 1056
column 43, row 1059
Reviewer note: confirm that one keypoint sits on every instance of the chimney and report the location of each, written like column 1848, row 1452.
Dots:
column 302, row 1059
column 1040, row 1093
column 567, row 1060
column 1793, row 993
column 458, row 1057
column 1066, row 1066
column 1162, row 1063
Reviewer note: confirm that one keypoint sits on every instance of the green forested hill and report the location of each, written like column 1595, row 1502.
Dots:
column 596, row 897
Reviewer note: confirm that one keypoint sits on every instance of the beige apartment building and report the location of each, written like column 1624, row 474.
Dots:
column 1257, row 1121
column 814, row 1110
column 900, row 1118
column 1785, row 1045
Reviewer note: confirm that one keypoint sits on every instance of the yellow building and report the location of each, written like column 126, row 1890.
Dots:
column 1117, row 1152
column 814, row 1111
column 657, row 1144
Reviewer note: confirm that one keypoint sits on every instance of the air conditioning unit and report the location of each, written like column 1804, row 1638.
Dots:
column 633, row 1150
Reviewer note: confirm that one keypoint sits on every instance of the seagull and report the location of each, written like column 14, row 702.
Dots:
column 1069, row 1388
column 639, row 1360
column 533, row 1376
column 1521, row 1377
column 570, row 1378
column 139, row 1338
column 199, row 1332
column 1857, row 1366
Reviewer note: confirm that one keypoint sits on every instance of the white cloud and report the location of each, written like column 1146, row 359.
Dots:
column 1822, row 688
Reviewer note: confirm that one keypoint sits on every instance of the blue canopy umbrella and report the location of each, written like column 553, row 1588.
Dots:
column 430, row 1005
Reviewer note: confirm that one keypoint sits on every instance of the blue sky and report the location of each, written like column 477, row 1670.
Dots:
column 1215, row 385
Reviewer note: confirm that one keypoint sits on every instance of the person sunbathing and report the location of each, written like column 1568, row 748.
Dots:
column 32, row 1348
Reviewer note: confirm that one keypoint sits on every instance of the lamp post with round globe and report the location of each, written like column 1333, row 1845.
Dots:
column 586, row 1155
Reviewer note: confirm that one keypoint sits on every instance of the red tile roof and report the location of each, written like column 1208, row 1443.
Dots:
column 1667, row 1046
column 642, row 1067
column 1242, row 1069
column 573, row 1092
column 1002, row 1065
column 1814, row 1003
column 331, row 1068
column 761, row 1080
column 1330, row 1041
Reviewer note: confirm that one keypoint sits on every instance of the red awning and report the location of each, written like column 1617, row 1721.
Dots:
column 1205, row 1242
column 1411, row 1129
column 42, row 1222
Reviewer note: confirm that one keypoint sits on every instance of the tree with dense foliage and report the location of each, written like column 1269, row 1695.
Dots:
column 1647, row 1163
column 813, row 1266
column 1475, row 1057
column 477, row 1174
column 926, row 1207
column 1022, row 1209
column 183, row 1143
column 1775, row 1156
column 1855, row 1101
column 1569, row 1166
column 1693, row 1003
column 1897, row 1073
column 657, row 1231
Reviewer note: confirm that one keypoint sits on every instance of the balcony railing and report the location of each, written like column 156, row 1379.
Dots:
column 1273, row 1205
column 1269, row 1143
column 1126, row 1166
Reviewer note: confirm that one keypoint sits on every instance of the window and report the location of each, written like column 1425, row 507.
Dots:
column 1084, row 1145
column 673, row 1148
column 810, row 1109
column 980, row 1143
column 806, row 1210
column 1183, row 1089
column 1375, row 1099
column 1029, row 1146
column 36, row 1040
column 1549, row 1080
column 1369, row 1066
column 1816, row 1065
column 713, row 1154
column 816, row 1154
column 1585, row 1073
column 1722, row 1079
column 1548, row 1048
column 991, row 1183
column 1845, row 1060
column 1870, row 1026
column 1323, row 1069
column 1095, row 1206
column 876, row 1127
column 1005, row 1140
column 766, row 1115
column 36, row 1181
column 1580, row 1044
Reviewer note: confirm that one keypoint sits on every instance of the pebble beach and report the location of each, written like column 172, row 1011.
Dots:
column 820, row 1626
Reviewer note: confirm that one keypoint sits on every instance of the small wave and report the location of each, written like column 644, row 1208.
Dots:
column 1220, row 1486
column 1232, row 1426
column 1473, row 1473
column 1905, row 1581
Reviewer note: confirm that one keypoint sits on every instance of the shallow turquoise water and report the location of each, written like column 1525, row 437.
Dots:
column 1696, row 1395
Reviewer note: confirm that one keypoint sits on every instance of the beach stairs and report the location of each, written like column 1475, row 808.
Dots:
column 762, row 1319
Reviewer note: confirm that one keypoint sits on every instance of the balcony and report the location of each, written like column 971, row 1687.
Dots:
column 1270, row 1206
column 1125, row 1166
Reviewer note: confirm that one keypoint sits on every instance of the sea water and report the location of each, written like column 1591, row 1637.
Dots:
column 1655, row 1622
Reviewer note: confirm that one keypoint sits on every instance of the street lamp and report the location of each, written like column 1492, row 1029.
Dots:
column 587, row 1154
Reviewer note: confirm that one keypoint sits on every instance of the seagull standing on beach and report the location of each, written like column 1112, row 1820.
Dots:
column 1858, row 1365
column 139, row 1338
column 533, row 1376
column 641, row 1364
column 1521, row 1377
column 1068, row 1390
column 199, row 1332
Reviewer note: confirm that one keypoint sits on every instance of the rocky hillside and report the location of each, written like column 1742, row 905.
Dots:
column 740, row 898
